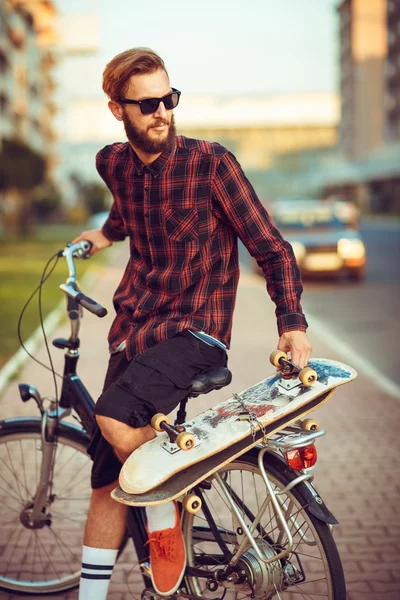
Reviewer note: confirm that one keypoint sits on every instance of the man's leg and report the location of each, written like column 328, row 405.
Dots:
column 106, row 522
column 105, row 528
column 155, row 381
column 167, row 551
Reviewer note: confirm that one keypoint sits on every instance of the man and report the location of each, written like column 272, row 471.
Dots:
column 182, row 203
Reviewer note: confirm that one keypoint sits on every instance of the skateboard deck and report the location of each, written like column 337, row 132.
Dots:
column 274, row 403
column 180, row 483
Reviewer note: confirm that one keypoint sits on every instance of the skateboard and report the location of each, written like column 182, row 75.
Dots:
column 160, row 470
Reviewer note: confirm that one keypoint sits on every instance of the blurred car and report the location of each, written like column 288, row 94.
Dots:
column 97, row 220
column 322, row 235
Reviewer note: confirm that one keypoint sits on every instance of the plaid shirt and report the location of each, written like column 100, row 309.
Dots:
column 183, row 214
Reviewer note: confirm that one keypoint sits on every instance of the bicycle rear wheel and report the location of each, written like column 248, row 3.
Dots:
column 311, row 570
column 48, row 559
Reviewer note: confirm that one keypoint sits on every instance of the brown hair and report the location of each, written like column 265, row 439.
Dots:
column 136, row 61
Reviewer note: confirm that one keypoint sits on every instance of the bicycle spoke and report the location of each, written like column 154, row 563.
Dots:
column 19, row 533
column 17, row 481
column 307, row 596
column 7, row 494
column 248, row 490
column 49, row 558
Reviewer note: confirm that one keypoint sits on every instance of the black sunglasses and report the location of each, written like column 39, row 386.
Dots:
column 150, row 105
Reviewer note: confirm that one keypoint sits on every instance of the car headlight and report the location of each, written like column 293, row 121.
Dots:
column 350, row 248
column 346, row 212
column 299, row 250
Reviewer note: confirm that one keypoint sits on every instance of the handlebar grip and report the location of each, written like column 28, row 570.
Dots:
column 91, row 305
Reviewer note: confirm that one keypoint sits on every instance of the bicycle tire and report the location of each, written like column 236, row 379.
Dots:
column 46, row 560
column 314, row 544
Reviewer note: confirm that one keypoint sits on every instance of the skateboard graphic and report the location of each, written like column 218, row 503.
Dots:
column 161, row 470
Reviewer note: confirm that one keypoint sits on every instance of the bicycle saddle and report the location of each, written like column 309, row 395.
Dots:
column 211, row 380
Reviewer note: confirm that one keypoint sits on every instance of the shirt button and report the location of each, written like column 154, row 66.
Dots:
column 146, row 214
column 146, row 189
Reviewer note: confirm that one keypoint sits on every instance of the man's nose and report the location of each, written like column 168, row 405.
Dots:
column 161, row 111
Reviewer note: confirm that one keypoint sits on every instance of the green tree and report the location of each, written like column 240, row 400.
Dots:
column 21, row 169
column 47, row 202
column 94, row 195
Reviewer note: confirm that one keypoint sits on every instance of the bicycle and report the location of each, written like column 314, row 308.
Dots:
column 263, row 531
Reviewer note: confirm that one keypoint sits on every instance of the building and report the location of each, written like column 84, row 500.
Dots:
column 392, row 72
column 260, row 128
column 27, row 38
column 27, row 108
column 363, row 51
column 370, row 107
column 257, row 129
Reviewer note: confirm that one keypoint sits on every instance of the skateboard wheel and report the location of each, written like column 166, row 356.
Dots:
column 185, row 441
column 308, row 376
column 275, row 357
column 157, row 420
column 192, row 503
column 309, row 425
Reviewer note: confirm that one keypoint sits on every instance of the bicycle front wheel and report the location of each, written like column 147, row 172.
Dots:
column 312, row 569
column 48, row 559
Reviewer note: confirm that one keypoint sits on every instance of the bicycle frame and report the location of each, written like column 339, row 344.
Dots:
column 74, row 396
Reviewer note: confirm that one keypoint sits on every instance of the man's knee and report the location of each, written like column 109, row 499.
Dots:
column 103, row 494
column 123, row 438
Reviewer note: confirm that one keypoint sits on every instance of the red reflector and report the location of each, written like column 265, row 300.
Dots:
column 302, row 458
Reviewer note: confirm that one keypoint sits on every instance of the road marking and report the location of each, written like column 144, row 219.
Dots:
column 348, row 353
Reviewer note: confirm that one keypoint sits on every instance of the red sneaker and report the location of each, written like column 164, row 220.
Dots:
column 167, row 557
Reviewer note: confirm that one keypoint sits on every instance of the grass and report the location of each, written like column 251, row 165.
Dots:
column 21, row 267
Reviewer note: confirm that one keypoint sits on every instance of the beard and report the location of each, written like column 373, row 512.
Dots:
column 146, row 143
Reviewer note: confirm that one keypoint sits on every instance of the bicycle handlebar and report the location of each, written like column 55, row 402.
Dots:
column 70, row 252
column 91, row 305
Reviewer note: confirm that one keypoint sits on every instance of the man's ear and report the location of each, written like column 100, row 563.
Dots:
column 116, row 109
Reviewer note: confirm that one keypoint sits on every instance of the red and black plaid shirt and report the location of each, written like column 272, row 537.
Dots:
column 183, row 214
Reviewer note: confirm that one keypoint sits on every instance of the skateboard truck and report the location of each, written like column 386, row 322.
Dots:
column 290, row 372
column 177, row 433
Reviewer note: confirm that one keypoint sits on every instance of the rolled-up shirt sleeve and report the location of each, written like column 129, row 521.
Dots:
column 114, row 228
column 234, row 194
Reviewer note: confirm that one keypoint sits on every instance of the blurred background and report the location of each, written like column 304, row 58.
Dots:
column 306, row 95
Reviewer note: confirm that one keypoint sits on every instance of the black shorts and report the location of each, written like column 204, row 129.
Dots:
column 154, row 381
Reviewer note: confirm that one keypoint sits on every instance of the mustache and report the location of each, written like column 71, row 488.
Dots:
column 159, row 122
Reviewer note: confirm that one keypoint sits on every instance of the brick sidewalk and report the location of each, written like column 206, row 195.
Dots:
column 358, row 467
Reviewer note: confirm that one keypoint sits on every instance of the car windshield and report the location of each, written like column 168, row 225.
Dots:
column 312, row 214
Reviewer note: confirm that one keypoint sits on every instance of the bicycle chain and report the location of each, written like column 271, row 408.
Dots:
column 252, row 420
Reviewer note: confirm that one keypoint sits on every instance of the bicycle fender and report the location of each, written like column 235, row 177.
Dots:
column 316, row 505
column 34, row 424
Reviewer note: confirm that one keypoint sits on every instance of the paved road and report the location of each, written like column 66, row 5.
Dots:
column 364, row 316
column 359, row 459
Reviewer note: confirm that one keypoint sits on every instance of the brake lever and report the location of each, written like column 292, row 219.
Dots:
column 78, row 250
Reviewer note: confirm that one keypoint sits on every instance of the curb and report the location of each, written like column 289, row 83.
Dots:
column 13, row 365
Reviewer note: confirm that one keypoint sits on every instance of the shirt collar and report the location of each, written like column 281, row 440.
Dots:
column 155, row 167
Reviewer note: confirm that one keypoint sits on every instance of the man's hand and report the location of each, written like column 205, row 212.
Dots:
column 97, row 238
column 297, row 343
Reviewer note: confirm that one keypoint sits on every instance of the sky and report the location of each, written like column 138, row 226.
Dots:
column 219, row 46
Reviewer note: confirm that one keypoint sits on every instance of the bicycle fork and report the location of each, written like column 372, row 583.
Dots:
column 34, row 514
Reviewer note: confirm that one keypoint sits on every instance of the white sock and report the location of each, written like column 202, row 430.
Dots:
column 161, row 516
column 97, row 566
